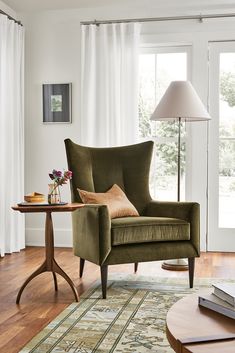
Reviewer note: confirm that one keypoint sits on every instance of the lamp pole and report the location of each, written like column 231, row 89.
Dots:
column 178, row 264
column 179, row 159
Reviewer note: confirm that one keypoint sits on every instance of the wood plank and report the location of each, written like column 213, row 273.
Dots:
column 40, row 304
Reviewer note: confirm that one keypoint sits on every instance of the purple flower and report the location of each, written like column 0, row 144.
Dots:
column 58, row 174
column 59, row 177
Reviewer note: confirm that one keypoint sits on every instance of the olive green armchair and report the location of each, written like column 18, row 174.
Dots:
column 164, row 230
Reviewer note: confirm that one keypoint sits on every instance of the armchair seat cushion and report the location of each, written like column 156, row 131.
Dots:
column 143, row 229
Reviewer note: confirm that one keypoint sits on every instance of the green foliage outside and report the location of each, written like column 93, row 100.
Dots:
column 166, row 153
column 227, row 88
column 145, row 129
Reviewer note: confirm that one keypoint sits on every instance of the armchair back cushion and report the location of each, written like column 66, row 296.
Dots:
column 98, row 169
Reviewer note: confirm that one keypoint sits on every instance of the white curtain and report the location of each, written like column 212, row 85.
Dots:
column 12, row 232
column 109, row 91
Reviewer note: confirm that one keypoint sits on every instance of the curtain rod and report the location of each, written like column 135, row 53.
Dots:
column 160, row 19
column 10, row 18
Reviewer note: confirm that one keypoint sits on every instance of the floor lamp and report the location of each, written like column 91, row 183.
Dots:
column 179, row 103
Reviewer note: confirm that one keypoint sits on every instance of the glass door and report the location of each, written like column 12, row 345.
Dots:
column 221, row 172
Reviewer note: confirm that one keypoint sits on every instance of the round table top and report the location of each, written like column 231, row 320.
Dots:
column 68, row 207
column 186, row 320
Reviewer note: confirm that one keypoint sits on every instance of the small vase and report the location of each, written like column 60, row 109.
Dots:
column 54, row 194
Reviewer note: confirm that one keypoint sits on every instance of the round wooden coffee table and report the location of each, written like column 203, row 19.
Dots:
column 187, row 322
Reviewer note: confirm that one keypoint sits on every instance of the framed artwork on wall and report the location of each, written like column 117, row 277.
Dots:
column 57, row 103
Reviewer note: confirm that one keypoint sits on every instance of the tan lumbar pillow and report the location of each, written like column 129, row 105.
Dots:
column 115, row 199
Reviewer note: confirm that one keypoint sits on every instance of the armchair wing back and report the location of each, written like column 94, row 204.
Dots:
column 164, row 230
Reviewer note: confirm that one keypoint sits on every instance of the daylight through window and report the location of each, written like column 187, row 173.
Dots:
column 158, row 68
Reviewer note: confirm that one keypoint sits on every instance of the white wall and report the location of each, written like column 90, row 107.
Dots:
column 8, row 10
column 53, row 56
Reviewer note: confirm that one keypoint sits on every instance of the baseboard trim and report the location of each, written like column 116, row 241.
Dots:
column 36, row 237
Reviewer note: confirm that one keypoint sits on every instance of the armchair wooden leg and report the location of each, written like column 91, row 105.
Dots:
column 82, row 262
column 104, row 277
column 191, row 266
column 136, row 267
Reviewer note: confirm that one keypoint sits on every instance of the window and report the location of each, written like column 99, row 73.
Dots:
column 227, row 140
column 221, row 164
column 158, row 67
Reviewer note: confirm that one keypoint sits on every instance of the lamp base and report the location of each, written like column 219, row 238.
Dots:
column 175, row 265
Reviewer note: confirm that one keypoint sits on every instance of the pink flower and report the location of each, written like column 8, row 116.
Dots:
column 68, row 174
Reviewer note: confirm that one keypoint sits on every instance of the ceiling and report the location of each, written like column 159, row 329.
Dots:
column 42, row 5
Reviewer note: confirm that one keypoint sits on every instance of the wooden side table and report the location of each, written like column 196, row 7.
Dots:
column 50, row 263
column 195, row 329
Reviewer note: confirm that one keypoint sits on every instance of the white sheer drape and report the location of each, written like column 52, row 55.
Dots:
column 109, row 91
column 11, row 134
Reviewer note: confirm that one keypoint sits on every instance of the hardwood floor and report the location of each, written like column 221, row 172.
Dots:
column 39, row 302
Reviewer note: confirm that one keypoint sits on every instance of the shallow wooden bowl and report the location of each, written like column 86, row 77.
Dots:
column 34, row 197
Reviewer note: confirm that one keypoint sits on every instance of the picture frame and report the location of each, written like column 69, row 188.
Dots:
column 57, row 103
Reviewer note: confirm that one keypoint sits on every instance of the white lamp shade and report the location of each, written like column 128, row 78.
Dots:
column 180, row 101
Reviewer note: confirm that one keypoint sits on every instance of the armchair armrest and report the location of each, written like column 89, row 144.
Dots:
column 92, row 233
column 187, row 211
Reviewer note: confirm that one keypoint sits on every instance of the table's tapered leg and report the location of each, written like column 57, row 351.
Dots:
column 49, row 241
column 50, row 259
column 58, row 269
column 55, row 281
column 49, row 264
column 40, row 270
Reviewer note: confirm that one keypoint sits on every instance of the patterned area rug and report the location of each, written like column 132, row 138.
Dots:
column 131, row 320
